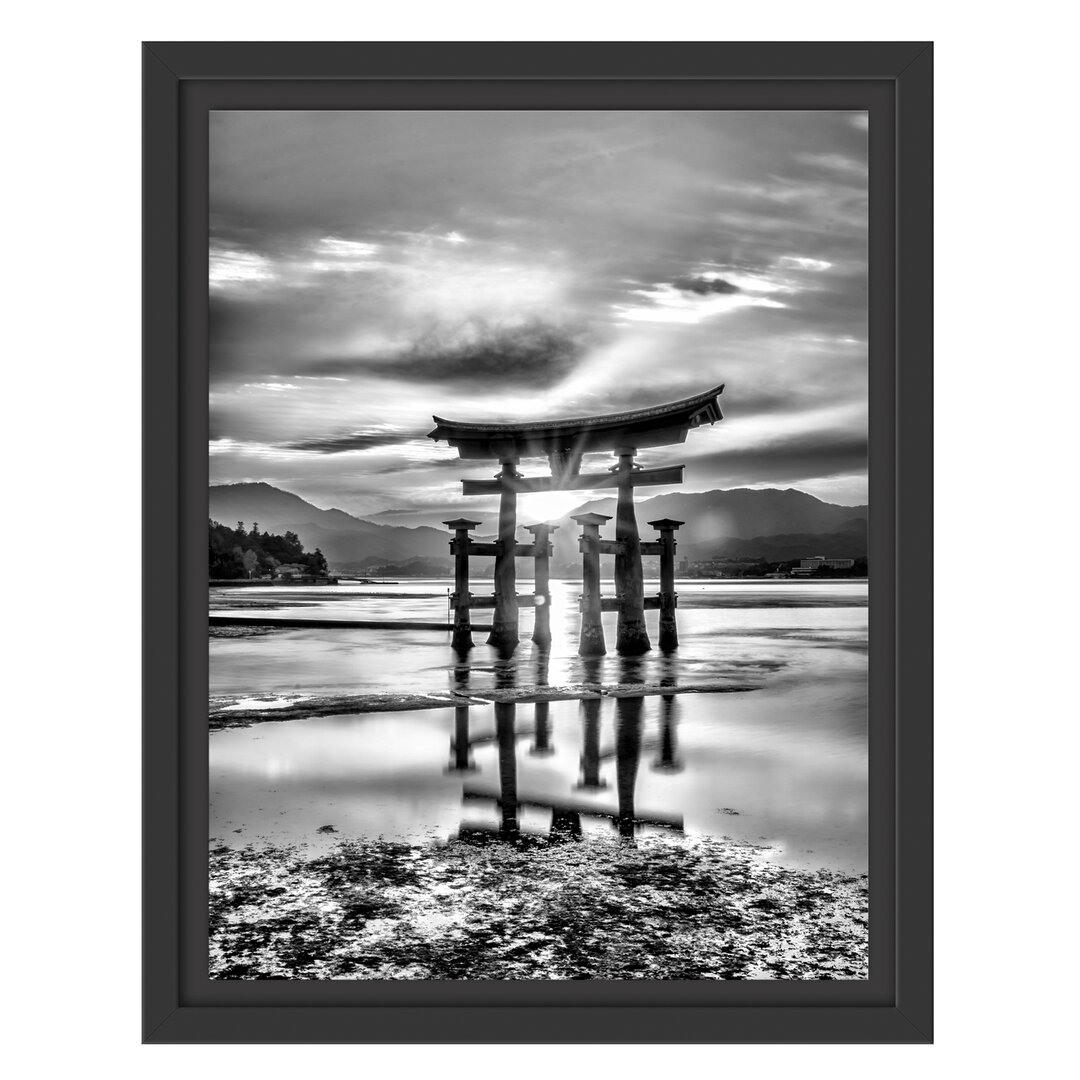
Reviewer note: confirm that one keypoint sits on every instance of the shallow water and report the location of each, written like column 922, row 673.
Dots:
column 724, row 628
column 783, row 765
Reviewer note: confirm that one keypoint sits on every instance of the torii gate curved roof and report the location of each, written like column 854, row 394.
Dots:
column 656, row 425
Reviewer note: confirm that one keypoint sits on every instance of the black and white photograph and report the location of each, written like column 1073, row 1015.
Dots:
column 538, row 562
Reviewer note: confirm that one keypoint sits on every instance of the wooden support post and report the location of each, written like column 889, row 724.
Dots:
column 504, row 626
column 669, row 631
column 591, row 639
column 632, row 637
column 542, row 583
column 461, row 642
column 627, row 756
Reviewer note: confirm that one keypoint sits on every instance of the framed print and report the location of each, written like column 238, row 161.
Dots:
column 559, row 419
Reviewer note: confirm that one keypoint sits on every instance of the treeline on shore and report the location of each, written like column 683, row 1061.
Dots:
column 244, row 553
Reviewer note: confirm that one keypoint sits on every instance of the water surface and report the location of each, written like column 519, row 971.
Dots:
column 784, row 765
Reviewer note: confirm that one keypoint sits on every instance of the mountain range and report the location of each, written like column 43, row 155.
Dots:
column 769, row 524
column 342, row 538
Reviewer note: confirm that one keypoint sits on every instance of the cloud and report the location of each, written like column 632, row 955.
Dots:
column 837, row 162
column 231, row 267
column 800, row 262
column 352, row 440
column 532, row 353
column 704, row 285
column 425, row 463
column 336, row 245
column 801, row 456
column 671, row 304
column 370, row 268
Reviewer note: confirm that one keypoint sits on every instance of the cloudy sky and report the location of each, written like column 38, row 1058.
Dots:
column 368, row 269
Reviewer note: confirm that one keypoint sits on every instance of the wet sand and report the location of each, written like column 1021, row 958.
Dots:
column 238, row 711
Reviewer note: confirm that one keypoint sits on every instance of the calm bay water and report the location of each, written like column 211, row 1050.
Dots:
column 784, row 765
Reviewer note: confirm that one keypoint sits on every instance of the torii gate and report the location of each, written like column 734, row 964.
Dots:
column 564, row 443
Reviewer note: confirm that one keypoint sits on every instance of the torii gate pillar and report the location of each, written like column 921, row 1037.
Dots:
column 632, row 637
column 591, row 638
column 462, row 641
column 542, row 582
column 504, row 626
column 669, row 632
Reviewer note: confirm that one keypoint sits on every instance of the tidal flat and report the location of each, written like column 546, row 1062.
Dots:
column 383, row 809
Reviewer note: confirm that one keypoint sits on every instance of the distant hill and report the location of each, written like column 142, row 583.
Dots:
column 783, row 547
column 769, row 524
column 341, row 537
column 713, row 516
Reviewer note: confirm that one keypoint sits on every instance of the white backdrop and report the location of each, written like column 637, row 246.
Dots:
column 1006, row 388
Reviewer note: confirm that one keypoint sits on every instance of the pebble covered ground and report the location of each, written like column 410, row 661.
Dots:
column 648, row 908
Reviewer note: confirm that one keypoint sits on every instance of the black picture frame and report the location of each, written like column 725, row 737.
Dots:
column 181, row 82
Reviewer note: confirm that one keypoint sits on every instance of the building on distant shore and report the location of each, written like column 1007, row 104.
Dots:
column 818, row 562
column 291, row 571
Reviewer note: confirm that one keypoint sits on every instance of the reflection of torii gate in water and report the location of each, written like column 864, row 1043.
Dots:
column 567, row 812
column 564, row 443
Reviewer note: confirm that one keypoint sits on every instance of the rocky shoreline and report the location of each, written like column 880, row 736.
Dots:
column 650, row 908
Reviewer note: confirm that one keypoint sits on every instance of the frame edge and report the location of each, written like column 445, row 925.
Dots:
column 160, row 525
column 534, row 59
column 165, row 1018
column 914, row 512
